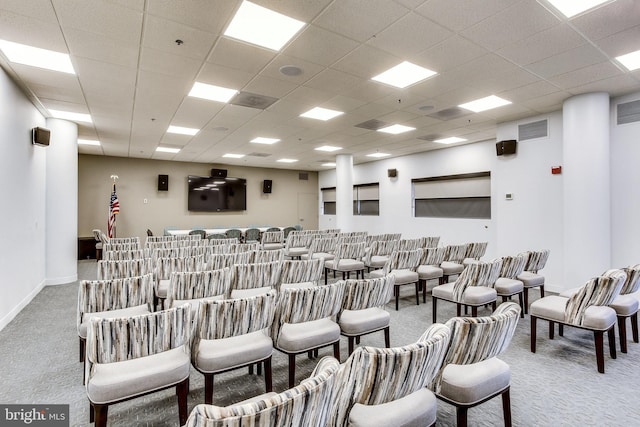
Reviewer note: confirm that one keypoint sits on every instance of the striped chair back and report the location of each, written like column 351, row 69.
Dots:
column 476, row 250
column 323, row 245
column 477, row 274
column 456, row 253
column 433, row 256
column 410, row 244
column 380, row 248
column 124, row 255
column 474, row 339
column 272, row 237
column 262, row 255
column 256, row 275
column 124, row 268
column 403, row 260
column 536, row 260
column 374, row 376
column 190, row 285
column 513, row 266
column 304, row 271
column 304, row 405
column 218, row 261
column 165, row 266
column 95, row 296
column 349, row 251
column 632, row 284
column 360, row 294
column 598, row 291
column 212, row 240
column 116, row 240
column 298, row 239
column 431, row 242
column 243, row 247
column 120, row 246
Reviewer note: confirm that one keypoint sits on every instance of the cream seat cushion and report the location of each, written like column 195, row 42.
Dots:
column 300, row 337
column 360, row 322
column 506, row 286
column 428, row 272
column 344, row 265
column 469, row 384
column 531, row 280
column 417, row 409
column 229, row 353
column 553, row 307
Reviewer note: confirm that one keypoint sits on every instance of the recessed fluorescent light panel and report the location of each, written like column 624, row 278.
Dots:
column 484, row 104
column 328, row 148
column 211, row 92
column 167, row 150
column 36, row 57
column 631, row 60
column 321, row 114
column 263, row 140
column 89, row 142
column 450, row 140
column 233, row 156
column 329, row 164
column 68, row 115
column 263, row 27
column 396, row 129
column 182, row 131
column 404, row 74
column 378, row 155
column 287, row 160
column 571, row 8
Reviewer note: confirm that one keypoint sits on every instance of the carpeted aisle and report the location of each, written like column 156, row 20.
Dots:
column 557, row 386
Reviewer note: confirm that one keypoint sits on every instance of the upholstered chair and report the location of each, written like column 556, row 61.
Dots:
column 348, row 258
column 272, row 240
column 195, row 286
column 381, row 387
column 254, row 278
column 508, row 285
column 378, row 253
column 101, row 239
column 297, row 244
column 352, row 237
column 471, row 373
column 233, row 233
column 216, row 239
column 473, row 288
column 128, row 357
column 530, row 277
column 125, row 255
column 243, row 247
column 430, row 242
column 217, row 261
column 587, row 309
column 300, row 273
column 124, row 268
column 112, row 298
column 163, row 267
column 120, row 246
column 262, row 255
column 363, row 308
column 475, row 251
column 306, row 405
column 322, row 248
column 453, row 261
column 410, row 244
column 230, row 334
column 304, row 322
column 252, row 235
column 199, row 232
column 402, row 265
column 429, row 268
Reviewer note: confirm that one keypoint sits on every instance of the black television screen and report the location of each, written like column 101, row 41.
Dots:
column 215, row 194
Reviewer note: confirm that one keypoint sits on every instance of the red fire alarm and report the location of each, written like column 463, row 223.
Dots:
column 556, row 170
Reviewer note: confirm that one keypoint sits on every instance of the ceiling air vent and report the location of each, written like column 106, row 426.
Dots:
column 259, row 154
column 431, row 137
column 450, row 113
column 252, row 100
column 372, row 124
column 628, row 112
column 303, row 176
column 533, row 130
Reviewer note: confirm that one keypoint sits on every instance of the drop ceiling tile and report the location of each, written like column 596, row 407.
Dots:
column 44, row 12
column 161, row 34
column 366, row 62
column 609, row 19
column 458, row 15
column 621, row 43
column 319, row 46
column 32, row 32
column 106, row 83
column 370, row 91
column 198, row 112
column 517, row 22
column 204, row 15
column 440, row 59
column 547, row 103
column 166, row 63
column 333, row 81
column 270, row 87
column 529, row 91
column 592, row 73
column 101, row 48
column 565, row 62
column 222, row 76
column 615, row 86
column 101, row 17
column 242, row 56
column 360, row 19
column 303, row 11
column 309, row 69
column 402, row 39
column 544, row 44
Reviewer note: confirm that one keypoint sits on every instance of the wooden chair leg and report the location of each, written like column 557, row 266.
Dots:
column 326, row 275
column 552, row 327
column 417, row 294
column 259, row 368
column 350, row 341
column 493, row 305
column 611, row 334
column 458, row 310
column 598, row 337
column 208, row 389
column 397, row 292
column 533, row 333
column 634, row 326
column 506, row 407
column 461, row 416
column 358, row 340
column 474, row 311
column 182, row 390
column 423, row 286
column 100, row 416
column 622, row 333
column 92, row 413
column 82, row 346
column 250, row 369
column 268, row 378
column 522, row 310
column 526, row 300
column 434, row 303
column 336, row 350
column 541, row 291
column 560, row 329
column 292, row 370
column 387, row 339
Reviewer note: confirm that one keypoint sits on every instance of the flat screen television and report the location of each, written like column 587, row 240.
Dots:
column 215, row 194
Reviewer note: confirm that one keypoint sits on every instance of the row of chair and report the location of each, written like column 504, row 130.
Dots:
column 455, row 362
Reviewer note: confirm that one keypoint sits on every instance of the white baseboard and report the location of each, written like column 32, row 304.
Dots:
column 18, row 308
column 61, row 280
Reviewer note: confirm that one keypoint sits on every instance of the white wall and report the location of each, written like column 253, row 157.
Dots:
column 22, row 186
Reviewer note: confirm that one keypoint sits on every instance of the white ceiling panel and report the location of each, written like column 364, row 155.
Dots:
column 165, row 63
column 586, row 75
column 205, row 15
column 242, row 56
column 367, row 62
column 618, row 15
column 565, row 62
column 333, row 81
column 20, row 29
column 101, row 48
column 440, row 59
column 458, row 15
column 319, row 46
column 621, row 43
column 161, row 34
column 222, row 76
column 44, row 12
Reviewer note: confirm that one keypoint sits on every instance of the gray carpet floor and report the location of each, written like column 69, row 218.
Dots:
column 557, row 386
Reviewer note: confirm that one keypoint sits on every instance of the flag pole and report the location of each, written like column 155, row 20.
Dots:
column 113, row 189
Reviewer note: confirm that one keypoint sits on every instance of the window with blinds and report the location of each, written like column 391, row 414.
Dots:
column 328, row 200
column 453, row 196
column 366, row 199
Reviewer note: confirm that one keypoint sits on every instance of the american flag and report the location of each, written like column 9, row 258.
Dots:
column 114, row 209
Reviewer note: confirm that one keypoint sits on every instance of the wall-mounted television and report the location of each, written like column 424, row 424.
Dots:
column 216, row 194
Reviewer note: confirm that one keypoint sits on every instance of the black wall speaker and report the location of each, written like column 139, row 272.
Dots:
column 219, row 173
column 163, row 182
column 506, row 147
column 267, row 185
column 40, row 136
column 392, row 173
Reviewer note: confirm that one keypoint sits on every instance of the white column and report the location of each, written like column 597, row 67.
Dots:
column 586, row 188
column 344, row 192
column 61, row 203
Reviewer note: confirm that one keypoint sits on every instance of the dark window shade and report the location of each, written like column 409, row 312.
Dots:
column 466, row 207
column 329, row 208
column 369, row 207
